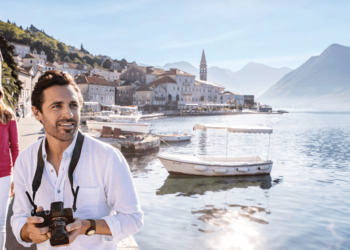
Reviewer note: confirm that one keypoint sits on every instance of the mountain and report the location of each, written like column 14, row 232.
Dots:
column 254, row 78
column 321, row 81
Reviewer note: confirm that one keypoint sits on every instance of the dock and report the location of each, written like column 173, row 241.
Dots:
column 144, row 144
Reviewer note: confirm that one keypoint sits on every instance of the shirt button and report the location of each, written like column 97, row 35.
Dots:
column 51, row 170
column 58, row 191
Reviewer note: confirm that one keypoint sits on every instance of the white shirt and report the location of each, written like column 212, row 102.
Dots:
column 106, row 192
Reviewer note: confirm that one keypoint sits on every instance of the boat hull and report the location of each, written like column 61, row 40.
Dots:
column 175, row 166
column 126, row 127
column 173, row 138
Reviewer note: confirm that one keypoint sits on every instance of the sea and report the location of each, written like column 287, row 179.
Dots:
column 303, row 204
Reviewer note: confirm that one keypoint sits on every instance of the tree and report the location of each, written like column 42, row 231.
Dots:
column 67, row 59
column 107, row 64
column 8, row 21
column 7, row 51
column 7, row 82
column 21, row 27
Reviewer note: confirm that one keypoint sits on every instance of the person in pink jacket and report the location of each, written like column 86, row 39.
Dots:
column 8, row 155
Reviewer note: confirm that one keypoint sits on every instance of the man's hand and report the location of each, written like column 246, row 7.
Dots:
column 73, row 231
column 31, row 233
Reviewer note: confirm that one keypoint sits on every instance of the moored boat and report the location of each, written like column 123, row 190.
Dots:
column 178, row 164
column 175, row 138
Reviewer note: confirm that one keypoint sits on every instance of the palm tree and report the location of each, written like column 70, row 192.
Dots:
column 9, row 86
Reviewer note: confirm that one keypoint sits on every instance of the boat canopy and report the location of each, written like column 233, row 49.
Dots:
column 235, row 129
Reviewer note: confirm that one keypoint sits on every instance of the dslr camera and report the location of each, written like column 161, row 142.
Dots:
column 57, row 218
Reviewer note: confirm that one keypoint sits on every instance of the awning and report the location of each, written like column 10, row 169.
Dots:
column 235, row 129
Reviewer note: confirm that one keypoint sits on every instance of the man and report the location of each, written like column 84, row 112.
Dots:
column 106, row 200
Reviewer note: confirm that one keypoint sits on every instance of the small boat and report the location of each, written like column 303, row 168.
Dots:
column 175, row 138
column 126, row 119
column 282, row 111
column 184, row 164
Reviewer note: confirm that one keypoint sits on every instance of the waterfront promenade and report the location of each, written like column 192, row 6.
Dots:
column 30, row 130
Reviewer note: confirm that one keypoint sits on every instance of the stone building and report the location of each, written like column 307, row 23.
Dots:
column 207, row 91
column 49, row 66
column 42, row 54
column 143, row 96
column 235, row 98
column 71, row 68
column 109, row 74
column 21, row 49
column 31, row 60
column 203, row 68
column 126, row 91
column 249, row 101
column 24, row 101
column 96, row 89
column 122, row 64
column 142, row 74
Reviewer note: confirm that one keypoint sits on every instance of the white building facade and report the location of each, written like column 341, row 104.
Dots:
column 109, row 74
column 21, row 49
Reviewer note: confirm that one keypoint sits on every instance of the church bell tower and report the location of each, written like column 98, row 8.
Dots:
column 203, row 68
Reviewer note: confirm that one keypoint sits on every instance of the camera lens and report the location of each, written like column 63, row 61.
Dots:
column 59, row 235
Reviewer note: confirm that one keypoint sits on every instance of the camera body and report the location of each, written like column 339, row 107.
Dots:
column 57, row 218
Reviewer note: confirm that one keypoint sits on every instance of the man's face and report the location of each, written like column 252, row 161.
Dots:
column 60, row 112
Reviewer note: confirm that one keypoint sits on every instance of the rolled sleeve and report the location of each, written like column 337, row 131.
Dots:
column 17, row 228
column 122, row 198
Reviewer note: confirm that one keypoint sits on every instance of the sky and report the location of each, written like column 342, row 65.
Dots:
column 277, row 33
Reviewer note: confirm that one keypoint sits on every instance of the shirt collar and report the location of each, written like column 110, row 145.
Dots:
column 66, row 153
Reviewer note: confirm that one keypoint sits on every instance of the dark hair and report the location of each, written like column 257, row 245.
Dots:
column 48, row 79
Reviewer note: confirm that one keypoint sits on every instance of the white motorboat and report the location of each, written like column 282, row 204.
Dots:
column 126, row 127
column 126, row 119
column 175, row 138
column 178, row 164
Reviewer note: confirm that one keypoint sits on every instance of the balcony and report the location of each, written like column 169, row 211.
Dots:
column 186, row 92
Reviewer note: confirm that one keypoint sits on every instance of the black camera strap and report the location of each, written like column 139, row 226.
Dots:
column 40, row 170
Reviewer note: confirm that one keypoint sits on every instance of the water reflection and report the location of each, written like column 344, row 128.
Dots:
column 189, row 186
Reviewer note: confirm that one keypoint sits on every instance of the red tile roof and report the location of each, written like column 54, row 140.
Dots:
column 23, row 70
column 165, row 79
column 31, row 56
column 176, row 72
column 48, row 64
column 83, row 79
column 144, row 87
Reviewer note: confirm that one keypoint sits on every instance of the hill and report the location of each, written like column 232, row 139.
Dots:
column 322, row 81
column 253, row 78
column 54, row 49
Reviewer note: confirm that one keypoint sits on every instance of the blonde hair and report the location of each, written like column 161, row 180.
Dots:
column 6, row 113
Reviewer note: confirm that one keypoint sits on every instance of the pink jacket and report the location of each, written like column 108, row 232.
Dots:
column 8, row 142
